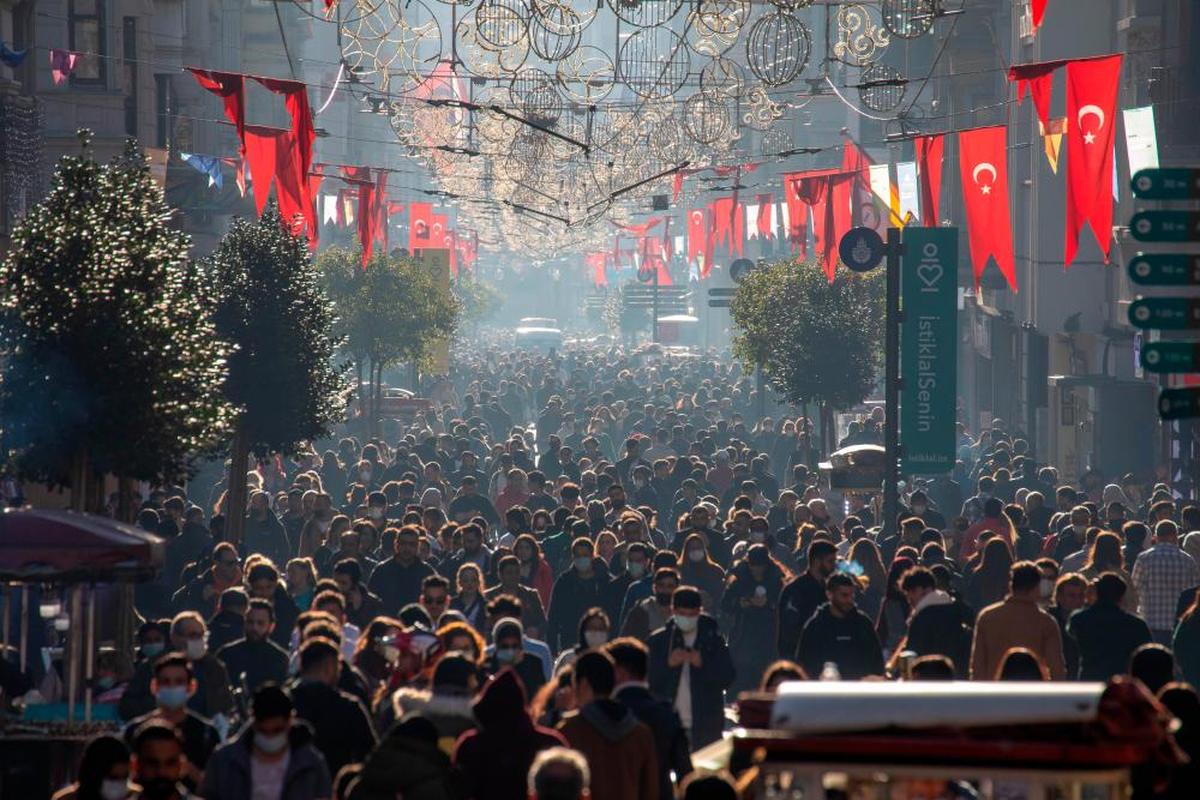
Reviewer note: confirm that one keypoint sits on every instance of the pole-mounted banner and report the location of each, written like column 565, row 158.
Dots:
column 929, row 350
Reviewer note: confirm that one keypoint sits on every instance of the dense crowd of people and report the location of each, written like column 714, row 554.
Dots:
column 559, row 576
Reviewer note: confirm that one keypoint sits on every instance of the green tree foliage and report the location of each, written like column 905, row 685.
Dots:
column 394, row 311
column 111, row 360
column 478, row 301
column 270, row 303
column 815, row 341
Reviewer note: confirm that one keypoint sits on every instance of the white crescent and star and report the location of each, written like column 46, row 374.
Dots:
column 984, row 166
column 697, row 217
column 1090, row 110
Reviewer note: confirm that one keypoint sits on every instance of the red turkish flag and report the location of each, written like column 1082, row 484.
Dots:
column 929, row 175
column 697, row 240
column 1038, row 11
column 1092, row 86
column 1038, row 79
column 420, row 220
column 438, row 225
column 983, row 164
column 595, row 264
column 765, row 203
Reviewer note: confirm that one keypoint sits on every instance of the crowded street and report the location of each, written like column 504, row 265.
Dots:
column 641, row 400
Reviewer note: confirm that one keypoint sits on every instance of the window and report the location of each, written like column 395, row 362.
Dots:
column 86, row 34
column 129, row 74
column 164, row 107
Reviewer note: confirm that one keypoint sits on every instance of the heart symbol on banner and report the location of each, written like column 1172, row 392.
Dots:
column 930, row 274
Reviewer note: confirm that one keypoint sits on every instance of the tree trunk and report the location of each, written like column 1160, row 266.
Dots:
column 79, row 480
column 235, row 493
column 125, row 500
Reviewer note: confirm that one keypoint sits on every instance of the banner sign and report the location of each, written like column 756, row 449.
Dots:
column 929, row 349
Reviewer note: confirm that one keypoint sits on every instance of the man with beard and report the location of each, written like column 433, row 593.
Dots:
column 803, row 594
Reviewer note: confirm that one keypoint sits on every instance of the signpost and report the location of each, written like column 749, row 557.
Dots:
column 720, row 298
column 1168, row 269
column 929, row 349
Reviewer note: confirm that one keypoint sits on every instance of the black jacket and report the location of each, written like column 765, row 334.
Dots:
column 939, row 629
column 267, row 536
column 797, row 602
column 254, row 663
column 229, row 774
column 398, row 585
column 286, row 614
column 343, row 729
column 708, row 683
column 670, row 739
column 1107, row 636
column 571, row 597
column 850, row 642
column 225, row 627
column 720, row 549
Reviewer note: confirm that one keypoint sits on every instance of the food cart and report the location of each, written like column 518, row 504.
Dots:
column 54, row 566
column 957, row 739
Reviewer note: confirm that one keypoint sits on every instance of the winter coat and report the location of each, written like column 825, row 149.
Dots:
column 495, row 757
column 1107, row 636
column 708, row 682
column 619, row 750
column 573, row 595
column 212, row 697
column 344, row 734
column 286, row 614
column 228, row 774
column 670, row 739
column 645, row 618
column 224, row 628
column 752, row 631
column 1015, row 622
column 398, row 584
column 797, row 603
column 937, row 627
column 1186, row 644
column 254, row 663
column 450, row 713
column 408, row 766
column 533, row 617
column 267, row 536
column 850, row 642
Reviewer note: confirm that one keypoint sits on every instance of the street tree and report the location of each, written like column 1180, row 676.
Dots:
column 816, row 341
column 283, row 379
column 111, row 362
column 393, row 312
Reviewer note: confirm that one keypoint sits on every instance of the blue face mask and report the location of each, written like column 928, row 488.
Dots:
column 172, row 697
column 583, row 563
column 153, row 650
column 506, row 655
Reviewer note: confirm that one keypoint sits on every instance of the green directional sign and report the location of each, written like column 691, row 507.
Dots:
column 1165, row 269
column 1165, row 226
column 1165, row 313
column 1179, row 403
column 1166, row 184
column 1171, row 357
column 929, row 349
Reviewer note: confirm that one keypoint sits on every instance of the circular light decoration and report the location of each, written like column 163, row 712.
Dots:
column 645, row 13
column 554, row 30
column 653, row 63
column 777, row 48
column 669, row 143
column 881, row 88
column 706, row 118
column 396, row 42
column 714, row 25
column 861, row 40
column 722, row 76
column 501, row 23
column 786, row 5
column 908, row 19
column 586, row 75
column 534, row 93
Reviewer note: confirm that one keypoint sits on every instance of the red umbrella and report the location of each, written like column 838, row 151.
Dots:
column 41, row 545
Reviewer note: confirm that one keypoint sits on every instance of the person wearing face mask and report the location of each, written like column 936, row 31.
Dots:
column 697, row 569
column 273, row 756
column 750, row 603
column 699, row 521
column 801, row 596
column 690, row 665
column 651, row 613
column 152, row 640
column 1073, row 538
column 581, row 587
column 508, row 638
column 919, row 506
column 173, row 685
column 212, row 695
column 595, row 630
column 103, row 772
column 630, row 564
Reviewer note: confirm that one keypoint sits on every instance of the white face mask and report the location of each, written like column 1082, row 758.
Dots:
column 696, row 555
column 685, row 624
column 375, row 513
column 595, row 639
column 758, row 537
column 1046, row 587
column 112, row 789
column 271, row 744
column 196, row 649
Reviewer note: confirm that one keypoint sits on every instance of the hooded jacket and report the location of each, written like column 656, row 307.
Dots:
column 619, row 750
column 670, row 740
column 495, row 757
column 408, row 763
column 450, row 713
column 937, row 627
column 228, row 773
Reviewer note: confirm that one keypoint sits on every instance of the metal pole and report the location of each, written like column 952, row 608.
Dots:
column 89, row 654
column 891, row 391
column 24, row 625
column 654, row 303
column 71, row 652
